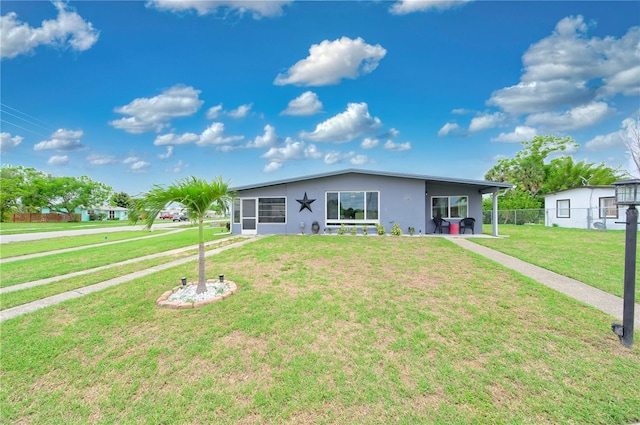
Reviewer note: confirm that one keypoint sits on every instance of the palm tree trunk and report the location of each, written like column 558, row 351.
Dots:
column 202, row 283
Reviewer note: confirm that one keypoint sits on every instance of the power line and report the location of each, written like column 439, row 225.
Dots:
column 22, row 128
column 29, row 120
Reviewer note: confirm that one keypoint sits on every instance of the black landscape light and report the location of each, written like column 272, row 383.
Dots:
column 221, row 277
column 184, row 281
column 628, row 193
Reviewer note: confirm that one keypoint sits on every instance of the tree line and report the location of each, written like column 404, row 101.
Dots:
column 27, row 190
column 542, row 167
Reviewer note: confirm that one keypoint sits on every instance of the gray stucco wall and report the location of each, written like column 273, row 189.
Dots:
column 401, row 200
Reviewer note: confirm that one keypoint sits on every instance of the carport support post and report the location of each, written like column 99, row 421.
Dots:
column 494, row 212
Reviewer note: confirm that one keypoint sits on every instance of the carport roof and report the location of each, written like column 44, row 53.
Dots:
column 483, row 186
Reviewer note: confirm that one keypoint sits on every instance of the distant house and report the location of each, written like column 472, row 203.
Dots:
column 102, row 213
column 358, row 198
column 584, row 207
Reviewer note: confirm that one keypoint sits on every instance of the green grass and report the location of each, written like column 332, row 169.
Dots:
column 324, row 330
column 592, row 257
column 32, row 269
column 8, row 228
column 23, row 296
column 14, row 249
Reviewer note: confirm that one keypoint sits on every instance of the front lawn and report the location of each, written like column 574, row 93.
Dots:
column 592, row 257
column 324, row 329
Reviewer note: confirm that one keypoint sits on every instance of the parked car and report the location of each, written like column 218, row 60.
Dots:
column 179, row 217
column 166, row 216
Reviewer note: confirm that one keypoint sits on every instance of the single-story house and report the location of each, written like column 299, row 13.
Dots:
column 584, row 207
column 103, row 213
column 357, row 198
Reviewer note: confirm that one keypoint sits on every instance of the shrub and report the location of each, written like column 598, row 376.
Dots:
column 380, row 229
column 396, row 231
column 365, row 231
column 342, row 229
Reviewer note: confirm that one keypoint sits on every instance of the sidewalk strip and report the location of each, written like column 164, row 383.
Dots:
column 13, row 312
column 589, row 295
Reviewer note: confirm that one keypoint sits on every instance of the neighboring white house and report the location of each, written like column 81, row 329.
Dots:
column 585, row 207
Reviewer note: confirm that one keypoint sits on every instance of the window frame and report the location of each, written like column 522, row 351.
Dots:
column 235, row 205
column 284, row 210
column 561, row 208
column 449, row 206
column 368, row 213
column 602, row 209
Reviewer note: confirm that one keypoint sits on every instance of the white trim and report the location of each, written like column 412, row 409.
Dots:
column 254, row 217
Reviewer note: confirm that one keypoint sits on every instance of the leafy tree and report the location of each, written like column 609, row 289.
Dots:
column 15, row 184
column 122, row 200
column 527, row 170
column 197, row 196
column 65, row 194
column 564, row 173
column 533, row 174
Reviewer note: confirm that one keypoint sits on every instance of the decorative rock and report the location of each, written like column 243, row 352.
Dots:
column 184, row 297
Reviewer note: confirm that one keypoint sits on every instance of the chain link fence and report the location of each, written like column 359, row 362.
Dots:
column 580, row 218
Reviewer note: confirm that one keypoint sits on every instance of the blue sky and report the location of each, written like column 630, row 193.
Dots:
column 134, row 94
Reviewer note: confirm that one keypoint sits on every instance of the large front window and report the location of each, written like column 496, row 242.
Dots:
column 352, row 207
column 449, row 206
column 272, row 210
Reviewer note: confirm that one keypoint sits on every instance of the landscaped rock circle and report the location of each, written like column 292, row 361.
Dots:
column 186, row 297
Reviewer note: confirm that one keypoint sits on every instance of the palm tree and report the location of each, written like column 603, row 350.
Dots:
column 197, row 196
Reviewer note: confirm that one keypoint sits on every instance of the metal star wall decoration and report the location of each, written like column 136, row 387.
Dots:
column 305, row 203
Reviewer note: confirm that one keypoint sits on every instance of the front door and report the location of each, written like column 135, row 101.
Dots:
column 249, row 216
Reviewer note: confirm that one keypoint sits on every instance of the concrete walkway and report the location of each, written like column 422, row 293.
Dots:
column 589, row 295
column 13, row 312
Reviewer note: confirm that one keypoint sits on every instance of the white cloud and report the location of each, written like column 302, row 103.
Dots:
column 241, row 111
column 257, row 9
column 95, row 159
column 449, row 127
column 214, row 111
column 268, row 139
column 359, row 160
column 168, row 154
column 214, row 135
column 369, row 143
column 179, row 167
column 346, row 126
column 175, row 139
column 7, row 142
column 331, row 61
column 576, row 118
column 519, row 134
column 130, row 159
column 334, row 157
column 154, row 114
column 485, row 121
column 58, row 160
column 403, row 7
column 305, row 104
column 615, row 139
column 139, row 166
column 568, row 69
column 68, row 30
column 392, row 146
column 292, row 150
column 62, row 141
